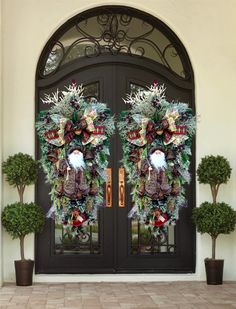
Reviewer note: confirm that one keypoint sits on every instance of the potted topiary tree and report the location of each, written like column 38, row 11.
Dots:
column 21, row 219
column 214, row 218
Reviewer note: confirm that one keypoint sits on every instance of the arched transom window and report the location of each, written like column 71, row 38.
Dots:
column 115, row 31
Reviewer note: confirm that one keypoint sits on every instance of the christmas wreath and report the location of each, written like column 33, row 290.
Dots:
column 74, row 139
column 156, row 137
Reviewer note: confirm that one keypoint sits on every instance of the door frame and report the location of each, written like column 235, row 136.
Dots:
column 84, row 63
column 124, row 60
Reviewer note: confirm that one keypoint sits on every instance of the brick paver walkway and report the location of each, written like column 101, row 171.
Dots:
column 168, row 295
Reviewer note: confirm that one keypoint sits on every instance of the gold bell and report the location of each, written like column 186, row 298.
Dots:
column 78, row 131
column 170, row 155
column 89, row 155
column 159, row 131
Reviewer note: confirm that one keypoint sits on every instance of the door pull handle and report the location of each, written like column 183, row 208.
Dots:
column 121, row 187
column 109, row 188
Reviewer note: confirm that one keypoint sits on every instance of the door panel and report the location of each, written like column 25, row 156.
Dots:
column 76, row 257
column 176, row 252
column 89, row 241
column 116, row 244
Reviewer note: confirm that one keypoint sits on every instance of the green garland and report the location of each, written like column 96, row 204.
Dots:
column 73, row 123
column 154, row 123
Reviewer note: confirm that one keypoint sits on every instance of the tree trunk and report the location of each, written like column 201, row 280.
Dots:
column 21, row 198
column 214, row 193
column 213, row 247
column 21, row 193
column 22, row 254
column 21, row 189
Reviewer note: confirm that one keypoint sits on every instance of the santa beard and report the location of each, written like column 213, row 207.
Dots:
column 76, row 161
column 158, row 160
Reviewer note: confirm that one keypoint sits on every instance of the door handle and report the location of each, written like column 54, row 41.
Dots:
column 109, row 188
column 121, row 187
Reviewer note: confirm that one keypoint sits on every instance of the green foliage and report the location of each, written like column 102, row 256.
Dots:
column 71, row 108
column 148, row 110
column 214, row 219
column 20, row 169
column 214, row 170
column 22, row 219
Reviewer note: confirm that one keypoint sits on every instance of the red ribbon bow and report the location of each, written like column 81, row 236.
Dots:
column 150, row 132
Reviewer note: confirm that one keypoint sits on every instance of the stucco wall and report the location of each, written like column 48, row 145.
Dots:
column 1, row 139
column 206, row 28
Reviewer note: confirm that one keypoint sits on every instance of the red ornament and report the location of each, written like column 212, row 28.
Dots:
column 159, row 218
column 78, row 218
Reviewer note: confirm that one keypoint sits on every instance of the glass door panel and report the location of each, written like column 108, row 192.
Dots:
column 142, row 242
column 88, row 239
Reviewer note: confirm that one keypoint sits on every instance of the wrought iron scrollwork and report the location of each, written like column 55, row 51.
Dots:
column 117, row 34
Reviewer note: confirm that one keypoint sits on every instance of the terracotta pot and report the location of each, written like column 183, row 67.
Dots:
column 24, row 272
column 214, row 271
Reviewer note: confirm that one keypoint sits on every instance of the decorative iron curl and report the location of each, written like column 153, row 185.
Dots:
column 114, row 38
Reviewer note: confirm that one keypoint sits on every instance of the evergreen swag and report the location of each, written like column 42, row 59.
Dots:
column 153, row 123
column 73, row 123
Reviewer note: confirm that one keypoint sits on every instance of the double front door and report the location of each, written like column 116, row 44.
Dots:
column 115, row 244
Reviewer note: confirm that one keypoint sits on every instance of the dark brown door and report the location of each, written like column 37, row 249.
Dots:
column 116, row 243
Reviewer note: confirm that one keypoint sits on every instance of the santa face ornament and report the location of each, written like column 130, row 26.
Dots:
column 157, row 160
column 153, row 178
column 76, row 160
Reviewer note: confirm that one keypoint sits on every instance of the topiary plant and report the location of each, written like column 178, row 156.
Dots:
column 21, row 171
column 20, row 219
column 214, row 170
column 214, row 219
